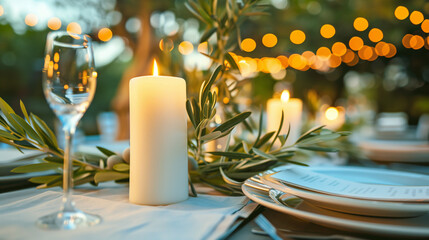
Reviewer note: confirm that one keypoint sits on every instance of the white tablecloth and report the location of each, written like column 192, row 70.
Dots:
column 196, row 218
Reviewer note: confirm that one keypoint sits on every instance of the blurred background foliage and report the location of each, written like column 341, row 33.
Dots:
column 124, row 29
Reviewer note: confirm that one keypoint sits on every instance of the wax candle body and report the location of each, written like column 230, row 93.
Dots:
column 292, row 115
column 158, row 163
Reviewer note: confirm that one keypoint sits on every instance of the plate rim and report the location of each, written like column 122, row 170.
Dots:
column 334, row 222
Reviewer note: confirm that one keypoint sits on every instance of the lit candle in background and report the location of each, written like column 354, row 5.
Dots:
column 292, row 108
column 333, row 118
column 159, row 163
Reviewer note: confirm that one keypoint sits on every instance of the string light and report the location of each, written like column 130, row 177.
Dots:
column 105, row 34
column 417, row 42
column 406, row 40
column 248, row 45
column 284, row 61
column 360, row 24
column 327, row 31
column 416, row 17
column 74, row 27
column 186, row 48
column 339, row 49
column 269, row 40
column 297, row 37
column 54, row 23
column 323, row 52
column 401, row 12
column 356, row 43
column 425, row 26
column 31, row 20
column 375, row 35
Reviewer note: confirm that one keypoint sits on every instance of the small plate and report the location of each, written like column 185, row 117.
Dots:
column 396, row 151
column 398, row 227
column 360, row 206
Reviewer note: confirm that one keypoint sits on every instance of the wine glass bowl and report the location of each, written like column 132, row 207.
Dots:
column 69, row 82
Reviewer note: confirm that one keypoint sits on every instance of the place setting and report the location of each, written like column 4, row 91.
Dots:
column 360, row 200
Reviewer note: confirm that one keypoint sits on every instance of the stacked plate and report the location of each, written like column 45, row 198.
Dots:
column 375, row 201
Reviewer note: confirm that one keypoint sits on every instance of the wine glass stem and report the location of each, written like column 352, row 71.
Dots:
column 68, row 204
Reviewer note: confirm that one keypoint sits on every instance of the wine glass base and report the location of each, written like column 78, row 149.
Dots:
column 68, row 220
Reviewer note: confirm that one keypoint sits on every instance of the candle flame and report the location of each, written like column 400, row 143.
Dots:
column 155, row 68
column 331, row 113
column 285, row 96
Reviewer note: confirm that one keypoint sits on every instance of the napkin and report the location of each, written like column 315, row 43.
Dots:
column 196, row 218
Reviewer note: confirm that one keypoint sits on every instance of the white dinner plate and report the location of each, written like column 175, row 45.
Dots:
column 396, row 151
column 359, row 206
column 398, row 227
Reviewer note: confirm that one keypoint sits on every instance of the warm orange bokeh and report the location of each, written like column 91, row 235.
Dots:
column 323, row 52
column 54, row 23
column 425, row 26
column 297, row 36
column 375, row 35
column 401, row 12
column 356, row 43
column 327, row 31
column 186, row 48
column 406, row 40
column 382, row 49
column 269, row 40
column 417, row 42
column 360, row 24
column 105, row 34
column 334, row 61
column 248, row 45
column 392, row 51
column 284, row 60
column 339, row 49
column 167, row 45
column 416, row 17
column 31, row 20
column 74, row 27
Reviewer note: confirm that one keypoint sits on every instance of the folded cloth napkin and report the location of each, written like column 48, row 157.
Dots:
column 195, row 218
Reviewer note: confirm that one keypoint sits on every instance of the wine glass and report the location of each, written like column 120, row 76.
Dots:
column 69, row 81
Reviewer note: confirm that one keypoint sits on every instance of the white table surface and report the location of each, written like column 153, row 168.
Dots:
column 196, row 218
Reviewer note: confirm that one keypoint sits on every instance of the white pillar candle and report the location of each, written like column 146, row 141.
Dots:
column 292, row 108
column 158, row 164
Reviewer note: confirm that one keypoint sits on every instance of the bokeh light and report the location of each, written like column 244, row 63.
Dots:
column 406, row 40
column 186, row 47
column 1, row 10
column 297, row 61
column 166, row 44
column 417, row 42
column 203, row 47
column 248, row 45
column 334, row 61
column 382, row 49
column 375, row 35
column 365, row 53
column 31, row 20
column 323, row 52
column 269, row 40
column 356, row 43
column 425, row 26
column 297, row 37
column 339, row 49
column 392, row 51
column 416, row 17
column 360, row 24
column 349, row 56
column 284, row 61
column 105, row 34
column 401, row 12
column 327, row 31
column 74, row 27
column 331, row 113
column 54, row 23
